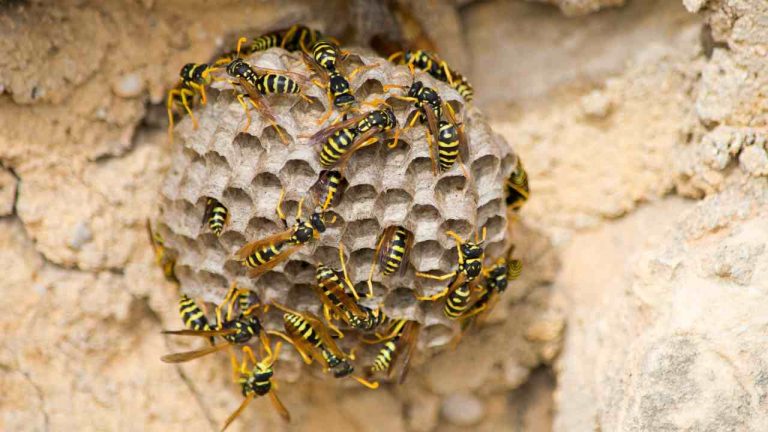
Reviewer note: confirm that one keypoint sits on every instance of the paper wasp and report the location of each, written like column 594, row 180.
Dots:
column 193, row 79
column 325, row 60
column 312, row 341
column 516, row 187
column 215, row 216
column 257, row 82
column 264, row 254
column 341, row 140
column 459, row 291
column 333, row 288
column 495, row 281
column 396, row 352
column 448, row 135
column 328, row 189
column 432, row 64
column 392, row 252
column 163, row 259
column 257, row 381
column 235, row 328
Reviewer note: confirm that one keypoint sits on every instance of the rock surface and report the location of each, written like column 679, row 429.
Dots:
column 643, row 132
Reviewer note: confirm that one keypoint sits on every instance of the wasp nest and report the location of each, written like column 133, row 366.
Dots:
column 247, row 169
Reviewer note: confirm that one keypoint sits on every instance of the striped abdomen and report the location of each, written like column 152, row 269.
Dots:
column 264, row 42
column 336, row 146
column 299, row 327
column 447, row 145
column 396, row 251
column 384, row 358
column 274, row 83
column 462, row 86
column 327, row 278
column 457, row 303
column 324, row 54
column 263, row 255
column 217, row 216
column 193, row 317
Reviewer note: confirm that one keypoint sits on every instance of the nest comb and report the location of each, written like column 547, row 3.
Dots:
column 246, row 170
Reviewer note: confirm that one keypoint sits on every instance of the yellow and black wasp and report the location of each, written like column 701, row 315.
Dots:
column 215, row 216
column 432, row 64
column 516, row 187
column 341, row 140
column 334, row 289
column 448, row 136
column 257, row 82
column 495, row 281
column 398, row 347
column 264, row 254
column 313, row 342
column 300, row 37
column 328, row 189
column 236, row 327
column 163, row 259
column 257, row 381
column 392, row 251
column 459, row 293
column 325, row 61
column 193, row 78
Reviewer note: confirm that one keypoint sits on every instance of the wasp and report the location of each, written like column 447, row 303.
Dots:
column 234, row 329
column 396, row 352
column 166, row 262
column 432, row 64
column 300, row 37
column 193, row 78
column 328, row 189
column 264, row 254
column 459, row 293
column 257, row 82
column 333, row 288
column 495, row 283
column 448, row 135
column 325, row 61
column 257, row 381
column 341, row 140
column 313, row 342
column 391, row 252
column 215, row 216
column 516, row 187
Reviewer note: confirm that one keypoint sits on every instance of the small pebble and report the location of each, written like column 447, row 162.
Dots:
column 462, row 409
column 81, row 235
column 129, row 85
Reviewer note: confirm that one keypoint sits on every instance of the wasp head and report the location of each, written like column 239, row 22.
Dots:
column 342, row 368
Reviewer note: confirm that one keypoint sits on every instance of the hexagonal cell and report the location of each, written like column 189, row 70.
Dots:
column 461, row 227
column 268, row 187
column 423, row 221
column 259, row 228
column 392, row 206
column 367, row 88
column 359, row 264
column 401, row 303
column 299, row 174
column 358, row 202
column 361, row 234
column 302, row 271
column 238, row 204
column 358, row 168
column 426, row 255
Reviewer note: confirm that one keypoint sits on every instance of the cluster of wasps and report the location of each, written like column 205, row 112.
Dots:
column 471, row 290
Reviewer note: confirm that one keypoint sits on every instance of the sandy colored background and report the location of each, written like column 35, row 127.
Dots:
column 643, row 304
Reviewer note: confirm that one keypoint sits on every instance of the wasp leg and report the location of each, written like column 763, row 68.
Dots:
column 329, row 321
column 436, row 277
column 241, row 100
column 346, row 275
column 434, row 296
column 373, row 266
column 371, row 385
column 358, row 69
column 304, row 356
column 185, row 93
column 200, row 89
column 233, row 362
column 279, row 208
column 431, row 145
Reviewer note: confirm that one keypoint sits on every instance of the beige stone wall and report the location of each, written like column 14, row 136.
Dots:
column 642, row 306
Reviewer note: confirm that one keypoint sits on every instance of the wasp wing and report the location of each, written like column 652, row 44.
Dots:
column 401, row 358
column 202, row 333
column 321, row 136
column 276, row 239
column 191, row 355
column 237, row 412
